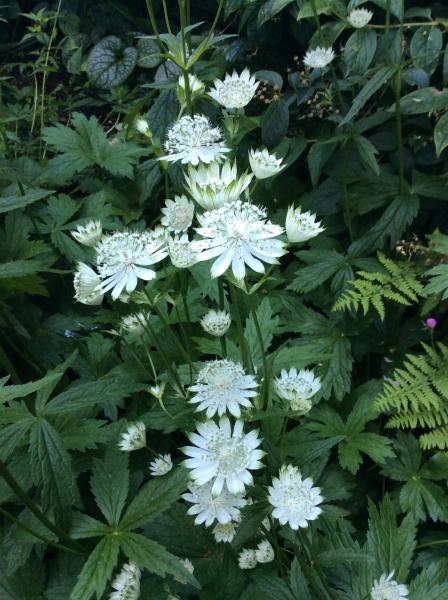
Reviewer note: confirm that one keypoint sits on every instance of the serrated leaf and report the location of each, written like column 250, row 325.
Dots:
column 97, row 570
column 268, row 323
column 110, row 484
column 8, row 203
column 441, row 134
column 12, row 392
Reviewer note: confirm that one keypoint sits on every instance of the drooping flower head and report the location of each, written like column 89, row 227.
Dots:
column 319, row 57
column 196, row 86
column 124, row 257
column 224, row 532
column 181, row 252
column 127, row 583
column 135, row 323
column 247, row 559
column 133, row 438
column 223, row 385
column 297, row 388
column 238, row 234
column 386, row 588
column 88, row 234
column 214, row 185
column 223, row 456
column 264, row 552
column 235, row 91
column 87, row 285
column 295, row 500
column 178, row 214
column 161, row 465
column 208, row 508
column 301, row 226
column 360, row 17
column 216, row 322
column 142, row 126
column 264, row 164
column 193, row 140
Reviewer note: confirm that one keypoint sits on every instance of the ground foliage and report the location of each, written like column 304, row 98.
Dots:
column 363, row 304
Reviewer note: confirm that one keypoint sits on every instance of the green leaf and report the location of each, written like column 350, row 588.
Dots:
column 97, row 570
column 155, row 497
column 19, row 268
column 370, row 88
column 438, row 283
column 12, row 392
column 321, row 265
column 318, row 156
column 322, row 7
column 84, row 526
column 52, row 469
column 275, row 123
column 268, row 323
column 270, row 9
column 110, row 484
column 109, row 63
column 359, row 51
column 426, row 45
column 425, row 100
column 163, row 112
column 8, row 203
column 441, row 134
column 150, row 555
column 270, row 587
column 367, row 152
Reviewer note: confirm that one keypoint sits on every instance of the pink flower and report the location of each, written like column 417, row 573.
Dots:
column 431, row 323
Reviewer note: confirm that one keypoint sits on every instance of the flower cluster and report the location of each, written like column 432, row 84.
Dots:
column 127, row 583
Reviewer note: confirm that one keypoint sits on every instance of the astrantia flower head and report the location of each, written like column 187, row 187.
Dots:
column 239, row 234
column 297, row 388
column 214, row 185
column 319, row 57
column 247, row 559
column 134, row 438
column 142, row 126
column 263, row 164
column 360, row 17
column 181, row 252
column 208, row 508
column 193, row 140
column 196, row 86
column 301, row 226
column 223, row 456
column 88, row 234
column 87, row 285
column 135, row 323
column 224, row 532
column 235, row 91
column 127, row 583
column 216, row 322
column 295, row 500
column 161, row 465
column 178, row 214
column 223, row 385
column 124, row 257
column 386, row 588
column 264, row 552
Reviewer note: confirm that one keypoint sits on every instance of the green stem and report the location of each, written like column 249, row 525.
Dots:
column 347, row 211
column 20, row 493
column 183, row 23
column 386, row 32
column 215, row 22
column 239, row 326
column 265, row 387
column 309, row 574
column 167, row 19
column 399, row 130
column 39, row 536
column 315, row 563
column 222, row 339
column 429, row 544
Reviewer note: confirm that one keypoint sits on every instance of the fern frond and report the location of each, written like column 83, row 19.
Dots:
column 417, row 396
column 369, row 290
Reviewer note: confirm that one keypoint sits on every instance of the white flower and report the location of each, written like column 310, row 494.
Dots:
column 223, row 385
column 263, row 164
column 178, row 214
column 238, row 234
column 297, row 388
column 127, row 583
column 161, row 465
column 157, row 390
column 214, row 185
column 294, row 499
column 264, row 552
column 160, row 234
column 209, row 508
column 196, row 86
column 142, row 126
column 360, row 17
column 135, row 323
column 134, row 438
column 216, row 322
column 247, row 559
column 224, row 532
column 223, row 456
column 193, row 139
column 235, row 91
column 181, row 252
column 319, row 57
column 301, row 227
column 88, row 234
column 87, row 285
column 124, row 257
column 387, row 588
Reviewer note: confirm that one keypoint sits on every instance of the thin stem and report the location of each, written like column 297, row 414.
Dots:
column 309, row 573
column 386, row 32
column 222, row 339
column 167, row 19
column 434, row 543
column 39, row 536
column 21, row 494
column 239, row 326
column 265, row 388
column 399, row 130
column 182, row 14
column 215, row 22
column 347, row 211
column 315, row 563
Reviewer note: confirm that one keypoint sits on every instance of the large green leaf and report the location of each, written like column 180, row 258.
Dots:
column 97, row 570
column 8, row 203
column 110, row 63
column 110, row 484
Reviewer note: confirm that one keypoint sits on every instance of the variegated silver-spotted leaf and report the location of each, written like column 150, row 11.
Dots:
column 109, row 63
column 148, row 53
